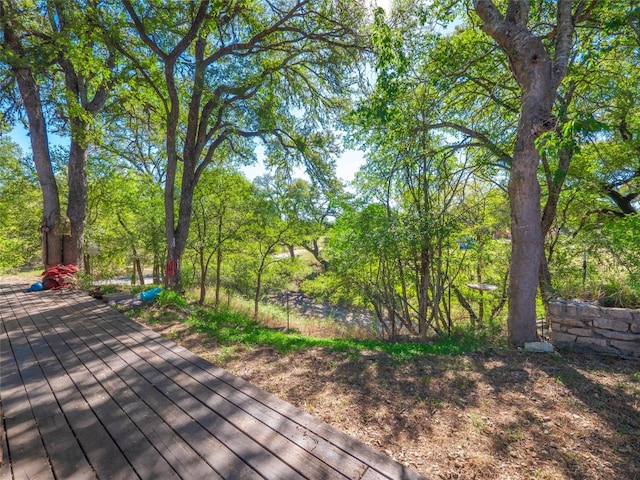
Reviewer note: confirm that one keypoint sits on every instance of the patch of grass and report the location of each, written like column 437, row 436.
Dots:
column 154, row 314
column 176, row 335
column 225, row 355
column 462, row 382
column 567, row 378
column 540, row 475
column 572, row 456
column 106, row 289
column 515, row 435
column 24, row 272
column 229, row 328
column 477, row 421
column 618, row 294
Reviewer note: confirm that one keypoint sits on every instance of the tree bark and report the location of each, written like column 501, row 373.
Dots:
column 138, row 268
column 256, row 297
column 218, row 274
column 52, row 253
column 57, row 248
column 524, row 198
column 29, row 92
column 77, row 204
column 538, row 77
column 196, row 118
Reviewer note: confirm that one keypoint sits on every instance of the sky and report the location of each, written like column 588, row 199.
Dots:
column 347, row 165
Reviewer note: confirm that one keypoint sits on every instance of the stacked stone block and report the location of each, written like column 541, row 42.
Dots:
column 590, row 327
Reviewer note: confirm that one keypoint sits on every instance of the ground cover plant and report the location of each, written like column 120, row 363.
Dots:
column 470, row 409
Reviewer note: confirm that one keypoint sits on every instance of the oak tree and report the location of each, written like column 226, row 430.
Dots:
column 229, row 72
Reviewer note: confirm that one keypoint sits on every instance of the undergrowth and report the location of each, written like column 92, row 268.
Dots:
column 169, row 298
column 230, row 328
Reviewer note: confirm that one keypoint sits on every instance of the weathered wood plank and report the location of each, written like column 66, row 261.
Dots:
column 28, row 457
column 103, row 454
column 254, row 426
column 304, row 450
column 113, row 391
column 312, row 427
column 66, row 457
column 347, row 446
column 176, row 389
column 171, row 446
column 350, row 450
column 200, row 439
column 131, row 441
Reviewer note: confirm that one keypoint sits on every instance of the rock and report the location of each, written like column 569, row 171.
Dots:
column 611, row 324
column 559, row 337
column 538, row 347
column 581, row 332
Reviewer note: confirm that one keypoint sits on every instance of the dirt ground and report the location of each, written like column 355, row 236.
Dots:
column 486, row 415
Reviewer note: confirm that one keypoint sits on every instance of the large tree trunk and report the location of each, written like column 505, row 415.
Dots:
column 524, row 197
column 52, row 253
column 77, row 204
column 76, row 90
column 58, row 244
column 173, row 269
column 177, row 237
column 51, row 240
column 539, row 77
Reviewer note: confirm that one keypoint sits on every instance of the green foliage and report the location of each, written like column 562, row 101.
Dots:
column 108, row 289
column 219, row 225
column 619, row 295
column 230, row 328
column 331, row 285
column 600, row 262
column 391, row 62
column 574, row 131
column 125, row 217
column 619, row 235
column 438, row 127
column 20, row 209
column 171, row 299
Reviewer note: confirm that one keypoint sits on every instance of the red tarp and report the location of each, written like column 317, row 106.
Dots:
column 59, row 276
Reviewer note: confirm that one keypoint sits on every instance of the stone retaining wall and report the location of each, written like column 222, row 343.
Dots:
column 588, row 326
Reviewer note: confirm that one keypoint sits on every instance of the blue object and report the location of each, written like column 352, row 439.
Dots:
column 36, row 287
column 150, row 294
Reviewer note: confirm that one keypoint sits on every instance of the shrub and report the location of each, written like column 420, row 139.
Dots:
column 172, row 299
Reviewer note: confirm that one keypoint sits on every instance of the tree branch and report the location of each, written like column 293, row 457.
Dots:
column 564, row 40
column 490, row 15
column 483, row 139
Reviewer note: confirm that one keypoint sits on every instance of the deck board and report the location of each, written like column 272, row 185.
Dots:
column 87, row 393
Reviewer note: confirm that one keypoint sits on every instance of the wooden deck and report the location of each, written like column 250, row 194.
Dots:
column 87, row 393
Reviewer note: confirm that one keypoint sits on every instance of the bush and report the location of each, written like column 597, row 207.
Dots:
column 614, row 294
column 172, row 299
